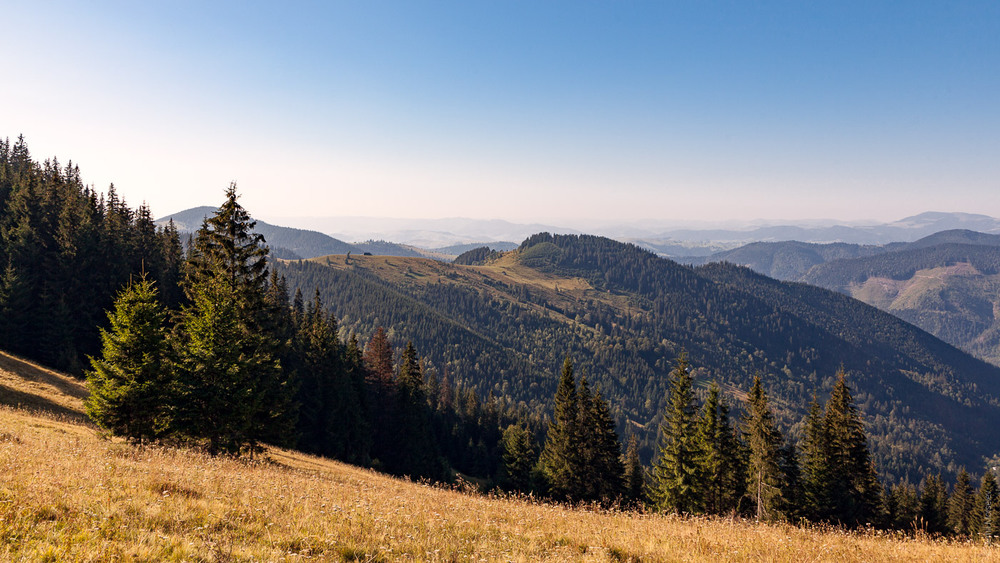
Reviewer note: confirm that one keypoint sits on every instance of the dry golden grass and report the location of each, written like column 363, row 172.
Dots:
column 32, row 387
column 67, row 494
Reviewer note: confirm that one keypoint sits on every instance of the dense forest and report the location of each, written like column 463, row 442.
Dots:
column 215, row 345
column 623, row 314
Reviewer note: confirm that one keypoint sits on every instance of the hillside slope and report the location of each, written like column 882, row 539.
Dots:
column 67, row 494
column 623, row 315
column 950, row 290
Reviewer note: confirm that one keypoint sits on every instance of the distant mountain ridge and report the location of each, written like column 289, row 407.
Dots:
column 907, row 229
column 291, row 243
column 659, row 236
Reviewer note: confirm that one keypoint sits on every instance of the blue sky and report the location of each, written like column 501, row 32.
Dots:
column 554, row 111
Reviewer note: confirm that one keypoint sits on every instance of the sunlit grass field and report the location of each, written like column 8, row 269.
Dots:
column 67, row 494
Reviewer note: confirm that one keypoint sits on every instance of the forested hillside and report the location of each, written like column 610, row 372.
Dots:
column 950, row 290
column 624, row 314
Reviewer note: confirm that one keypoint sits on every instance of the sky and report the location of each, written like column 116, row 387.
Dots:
column 560, row 112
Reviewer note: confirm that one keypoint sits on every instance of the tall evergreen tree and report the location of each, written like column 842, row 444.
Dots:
column 986, row 515
column 677, row 472
column 721, row 462
column 763, row 469
column 559, row 461
column 520, row 456
column 232, row 391
column 817, row 478
column 602, row 467
column 961, row 505
column 416, row 452
column 934, row 505
column 635, row 475
column 128, row 383
column 855, row 483
column 331, row 420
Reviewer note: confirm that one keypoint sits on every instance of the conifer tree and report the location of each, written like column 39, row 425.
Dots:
column 601, row 463
column 559, row 461
column 232, row 392
column 986, row 515
column 416, row 452
column 721, row 462
column 128, row 383
column 763, row 441
column 933, row 511
column 635, row 475
column 907, row 504
column 331, row 419
column 677, row 471
column 519, row 459
column 817, row 480
column 854, row 482
column 961, row 505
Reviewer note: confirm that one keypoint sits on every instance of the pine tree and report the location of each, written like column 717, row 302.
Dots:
column 961, row 505
column 128, row 382
column 763, row 441
column 559, row 461
column 677, row 471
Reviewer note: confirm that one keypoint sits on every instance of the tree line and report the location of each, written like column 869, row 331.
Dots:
column 708, row 463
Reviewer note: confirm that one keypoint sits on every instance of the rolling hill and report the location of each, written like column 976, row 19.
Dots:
column 623, row 314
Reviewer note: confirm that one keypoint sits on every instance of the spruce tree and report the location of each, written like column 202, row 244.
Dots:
column 519, row 458
column 677, row 472
column 855, row 486
column 934, row 505
column 559, row 461
column 128, row 383
column 416, row 452
column 986, row 515
column 817, row 480
column 961, row 505
column 601, row 450
column 763, row 469
column 232, row 392
column 721, row 462
column 331, row 419
column 635, row 475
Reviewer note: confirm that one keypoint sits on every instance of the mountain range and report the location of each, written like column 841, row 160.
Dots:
column 665, row 238
column 292, row 244
column 623, row 314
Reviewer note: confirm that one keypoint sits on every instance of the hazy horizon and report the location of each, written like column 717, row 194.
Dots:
column 555, row 113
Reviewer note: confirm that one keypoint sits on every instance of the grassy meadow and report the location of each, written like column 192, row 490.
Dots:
column 67, row 494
